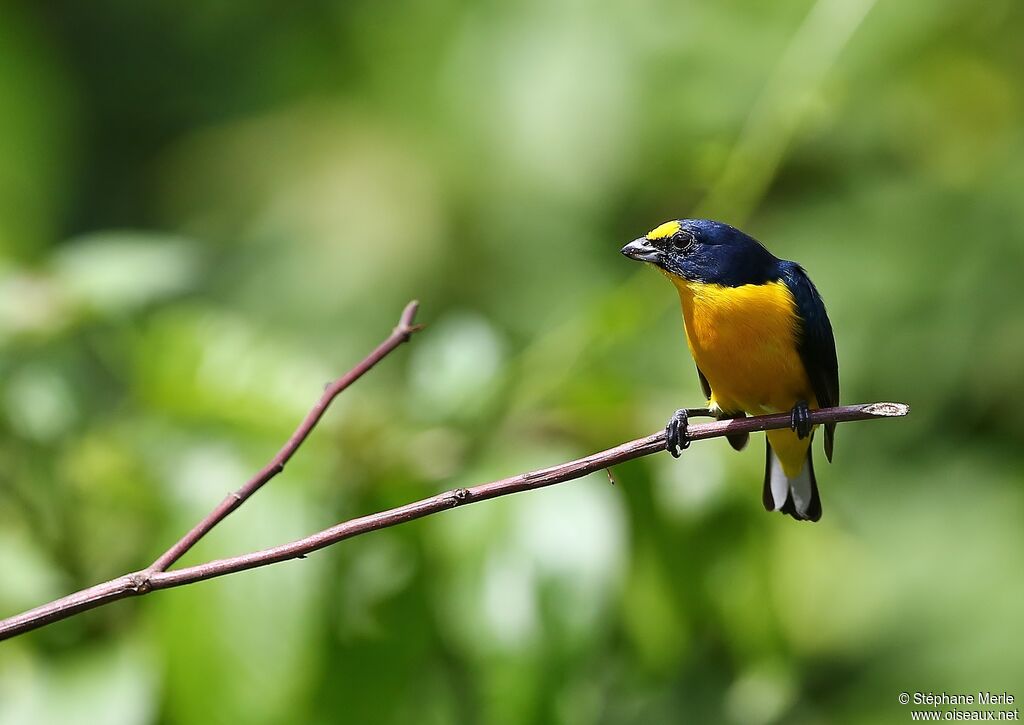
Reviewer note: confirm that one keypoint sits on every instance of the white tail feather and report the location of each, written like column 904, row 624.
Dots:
column 799, row 487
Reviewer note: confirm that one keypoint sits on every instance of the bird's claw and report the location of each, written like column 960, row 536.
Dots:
column 800, row 420
column 676, row 440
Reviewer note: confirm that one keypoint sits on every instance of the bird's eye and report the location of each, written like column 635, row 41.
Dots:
column 681, row 241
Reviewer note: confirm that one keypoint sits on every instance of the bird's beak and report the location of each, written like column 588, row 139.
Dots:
column 641, row 250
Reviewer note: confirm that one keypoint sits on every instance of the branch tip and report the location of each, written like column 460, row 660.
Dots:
column 887, row 410
column 405, row 322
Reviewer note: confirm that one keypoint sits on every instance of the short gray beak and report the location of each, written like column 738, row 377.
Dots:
column 642, row 250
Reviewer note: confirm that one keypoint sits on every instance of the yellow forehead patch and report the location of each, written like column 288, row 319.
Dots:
column 664, row 231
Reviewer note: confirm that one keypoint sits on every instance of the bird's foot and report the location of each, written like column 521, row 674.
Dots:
column 676, row 439
column 800, row 419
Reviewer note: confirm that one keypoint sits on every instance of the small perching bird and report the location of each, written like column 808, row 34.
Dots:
column 762, row 342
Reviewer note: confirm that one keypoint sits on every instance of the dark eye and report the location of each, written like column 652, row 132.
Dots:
column 681, row 241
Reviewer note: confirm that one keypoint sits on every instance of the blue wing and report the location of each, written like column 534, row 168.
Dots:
column 817, row 345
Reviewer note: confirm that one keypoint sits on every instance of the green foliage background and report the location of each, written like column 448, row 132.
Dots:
column 208, row 210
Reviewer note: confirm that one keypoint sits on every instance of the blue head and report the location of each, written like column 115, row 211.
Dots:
column 701, row 250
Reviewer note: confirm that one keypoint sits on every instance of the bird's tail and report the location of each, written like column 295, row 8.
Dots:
column 796, row 496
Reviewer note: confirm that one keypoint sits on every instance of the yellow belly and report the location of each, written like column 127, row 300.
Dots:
column 744, row 340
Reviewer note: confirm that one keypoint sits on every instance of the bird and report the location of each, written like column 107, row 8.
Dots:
column 762, row 343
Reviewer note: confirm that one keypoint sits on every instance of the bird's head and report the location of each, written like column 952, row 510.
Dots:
column 705, row 251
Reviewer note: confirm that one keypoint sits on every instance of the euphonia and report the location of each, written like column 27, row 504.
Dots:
column 758, row 332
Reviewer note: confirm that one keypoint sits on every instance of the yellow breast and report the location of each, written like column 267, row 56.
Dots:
column 744, row 340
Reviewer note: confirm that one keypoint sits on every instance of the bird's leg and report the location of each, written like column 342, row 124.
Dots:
column 676, row 440
column 800, row 419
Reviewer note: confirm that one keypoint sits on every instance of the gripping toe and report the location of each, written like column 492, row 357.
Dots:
column 800, row 419
column 676, row 440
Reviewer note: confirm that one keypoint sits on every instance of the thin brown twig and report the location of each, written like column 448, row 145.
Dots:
column 147, row 580
column 402, row 332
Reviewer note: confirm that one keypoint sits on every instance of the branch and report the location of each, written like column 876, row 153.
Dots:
column 147, row 580
column 402, row 332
